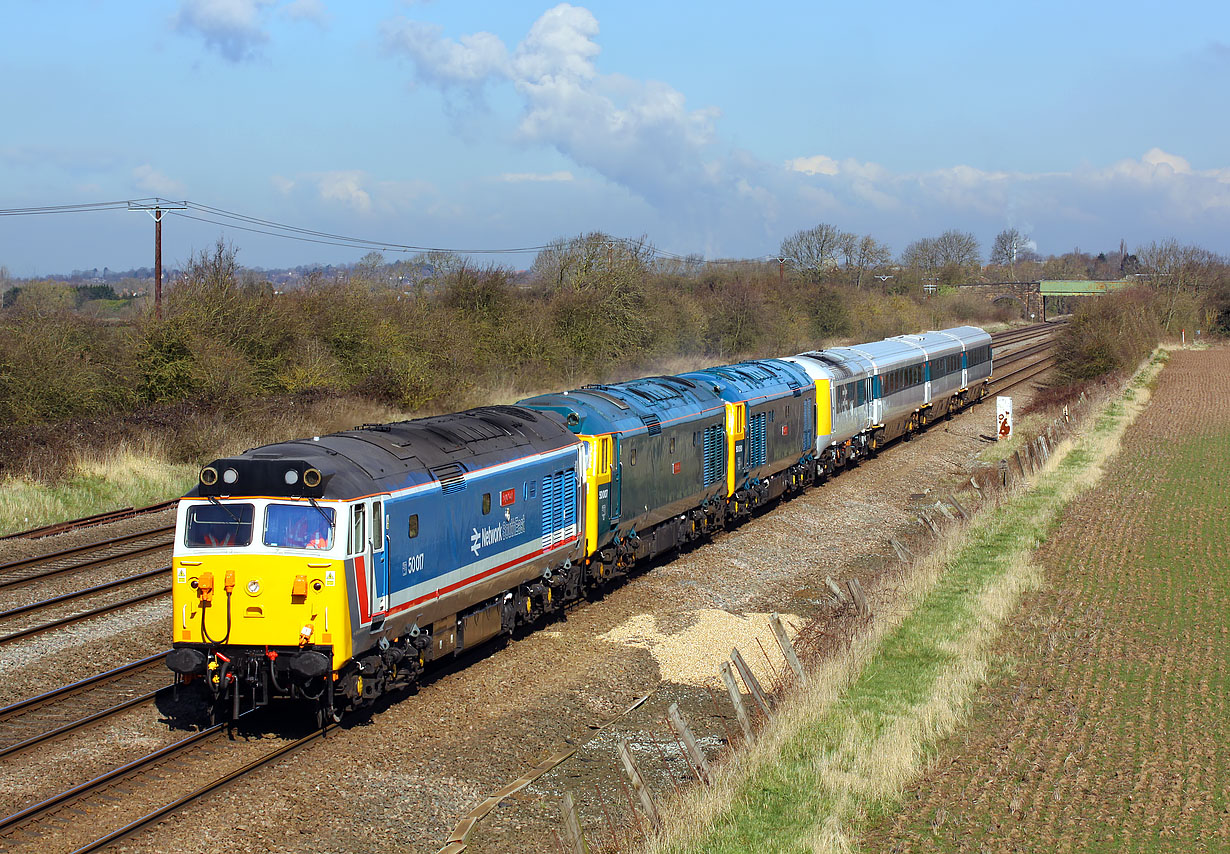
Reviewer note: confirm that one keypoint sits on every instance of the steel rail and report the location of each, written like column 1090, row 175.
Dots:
column 71, row 726
column 208, row 788
column 78, row 686
column 34, row 811
column 89, row 521
column 90, row 564
column 94, row 612
column 88, row 591
column 90, row 547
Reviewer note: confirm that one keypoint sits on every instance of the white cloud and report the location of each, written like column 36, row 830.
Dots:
column 306, row 10
column 344, row 187
column 541, row 177
column 817, row 164
column 233, row 28
column 149, row 179
column 470, row 61
column 1157, row 157
column 642, row 136
column 282, row 184
column 639, row 134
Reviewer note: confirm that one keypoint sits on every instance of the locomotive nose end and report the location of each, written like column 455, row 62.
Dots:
column 186, row 662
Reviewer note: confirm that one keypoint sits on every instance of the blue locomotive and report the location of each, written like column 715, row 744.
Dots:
column 337, row 567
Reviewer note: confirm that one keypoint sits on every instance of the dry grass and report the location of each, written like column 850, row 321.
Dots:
column 149, row 465
column 848, row 745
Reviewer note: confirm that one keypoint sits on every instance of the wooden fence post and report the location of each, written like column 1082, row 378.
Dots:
column 736, row 699
column 783, row 640
column 749, row 679
column 572, row 826
column 903, row 554
column 860, row 600
column 837, row 592
column 952, row 499
column 638, row 785
column 695, row 755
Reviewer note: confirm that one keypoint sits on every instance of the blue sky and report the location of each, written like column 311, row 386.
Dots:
column 714, row 128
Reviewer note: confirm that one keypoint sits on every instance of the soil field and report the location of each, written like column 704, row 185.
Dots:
column 1104, row 729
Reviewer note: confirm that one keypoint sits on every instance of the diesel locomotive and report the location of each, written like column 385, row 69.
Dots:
column 335, row 568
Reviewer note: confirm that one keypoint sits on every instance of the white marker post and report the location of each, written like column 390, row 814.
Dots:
column 1003, row 417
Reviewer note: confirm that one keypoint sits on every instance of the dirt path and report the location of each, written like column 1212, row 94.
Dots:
column 1104, row 730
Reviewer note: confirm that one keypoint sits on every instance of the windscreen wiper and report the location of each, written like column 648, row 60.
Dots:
column 319, row 510
column 213, row 499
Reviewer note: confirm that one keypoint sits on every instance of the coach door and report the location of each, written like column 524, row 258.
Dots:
column 367, row 539
column 616, row 482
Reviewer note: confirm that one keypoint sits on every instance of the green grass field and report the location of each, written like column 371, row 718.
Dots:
column 834, row 765
column 1103, row 727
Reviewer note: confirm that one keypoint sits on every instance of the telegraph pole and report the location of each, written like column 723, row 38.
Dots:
column 156, row 208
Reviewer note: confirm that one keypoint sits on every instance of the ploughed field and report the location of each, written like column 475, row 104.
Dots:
column 1105, row 728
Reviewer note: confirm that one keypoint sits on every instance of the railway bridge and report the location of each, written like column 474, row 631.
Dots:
column 1032, row 296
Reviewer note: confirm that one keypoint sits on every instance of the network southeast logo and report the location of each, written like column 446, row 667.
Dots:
column 480, row 539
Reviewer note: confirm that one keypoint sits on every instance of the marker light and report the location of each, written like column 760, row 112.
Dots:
column 230, row 476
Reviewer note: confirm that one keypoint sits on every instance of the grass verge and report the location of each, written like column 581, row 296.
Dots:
column 843, row 750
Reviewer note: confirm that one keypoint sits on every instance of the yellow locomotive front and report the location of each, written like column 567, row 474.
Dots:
column 260, row 599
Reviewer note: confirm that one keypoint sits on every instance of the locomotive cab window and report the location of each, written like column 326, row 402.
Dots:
column 298, row 526
column 377, row 526
column 356, row 542
column 412, row 528
column 216, row 526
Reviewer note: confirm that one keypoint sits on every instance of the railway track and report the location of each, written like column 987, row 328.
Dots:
column 60, row 566
column 130, row 797
column 85, row 557
column 89, row 521
column 59, row 713
column 162, row 781
column 8, row 636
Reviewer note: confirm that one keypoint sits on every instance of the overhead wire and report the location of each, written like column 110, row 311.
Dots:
column 272, row 228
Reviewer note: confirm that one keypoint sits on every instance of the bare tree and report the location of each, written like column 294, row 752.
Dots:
column 863, row 254
column 958, row 249
column 921, row 257
column 813, row 250
column 590, row 261
column 1172, row 269
column 1011, row 246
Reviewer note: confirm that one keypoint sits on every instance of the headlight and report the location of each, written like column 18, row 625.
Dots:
column 254, row 587
column 230, row 476
column 291, row 477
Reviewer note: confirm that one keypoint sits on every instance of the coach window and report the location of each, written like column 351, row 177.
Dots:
column 412, row 529
column 358, row 529
column 486, row 503
column 377, row 526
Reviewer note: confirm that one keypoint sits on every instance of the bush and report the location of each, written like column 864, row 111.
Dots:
column 1108, row 334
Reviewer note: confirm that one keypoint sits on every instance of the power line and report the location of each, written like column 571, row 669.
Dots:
column 272, row 228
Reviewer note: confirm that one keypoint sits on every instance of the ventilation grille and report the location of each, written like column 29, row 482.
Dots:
column 756, row 450
column 654, row 423
column 713, row 454
column 559, row 508
column 452, row 477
